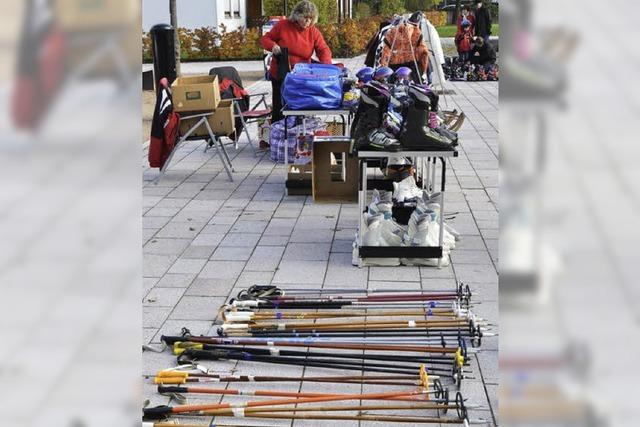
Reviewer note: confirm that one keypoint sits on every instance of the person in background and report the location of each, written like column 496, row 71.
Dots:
column 482, row 53
column 463, row 41
column 482, row 22
column 466, row 13
column 301, row 37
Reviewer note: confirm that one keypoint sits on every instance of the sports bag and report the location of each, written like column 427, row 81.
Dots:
column 313, row 87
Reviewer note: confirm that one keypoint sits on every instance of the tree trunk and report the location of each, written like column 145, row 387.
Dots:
column 173, row 12
column 456, row 12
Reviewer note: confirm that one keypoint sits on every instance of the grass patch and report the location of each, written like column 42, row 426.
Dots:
column 450, row 30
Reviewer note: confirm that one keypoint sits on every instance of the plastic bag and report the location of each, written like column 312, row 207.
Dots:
column 313, row 87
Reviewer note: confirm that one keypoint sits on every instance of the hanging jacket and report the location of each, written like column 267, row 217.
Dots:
column 300, row 42
column 372, row 45
column 164, row 127
column 483, row 22
column 401, row 43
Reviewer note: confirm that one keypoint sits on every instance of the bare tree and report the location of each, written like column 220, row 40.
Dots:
column 173, row 12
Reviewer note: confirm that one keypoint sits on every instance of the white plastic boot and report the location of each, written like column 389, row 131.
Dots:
column 406, row 190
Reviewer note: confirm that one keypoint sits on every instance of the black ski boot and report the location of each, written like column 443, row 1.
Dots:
column 365, row 130
column 416, row 134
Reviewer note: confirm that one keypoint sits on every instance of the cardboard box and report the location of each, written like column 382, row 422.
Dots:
column 195, row 93
column 334, row 182
column 221, row 121
column 299, row 179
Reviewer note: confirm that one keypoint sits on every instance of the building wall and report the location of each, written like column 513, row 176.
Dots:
column 231, row 13
column 193, row 13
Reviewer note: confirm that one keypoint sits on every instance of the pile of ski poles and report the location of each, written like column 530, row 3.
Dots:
column 416, row 339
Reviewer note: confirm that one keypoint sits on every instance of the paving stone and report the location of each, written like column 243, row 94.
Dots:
column 198, row 252
column 318, row 236
column 154, row 221
column 154, row 317
column 163, row 297
column 249, row 227
column 156, row 265
column 221, row 270
column 240, row 239
column 157, row 246
column 265, row 258
column 171, row 280
column 307, row 251
column 340, row 272
column 266, row 240
column 187, row 265
column 210, row 287
column 232, row 253
column 404, row 274
column 180, row 229
column 197, row 308
column 470, row 257
column 301, row 272
column 207, row 239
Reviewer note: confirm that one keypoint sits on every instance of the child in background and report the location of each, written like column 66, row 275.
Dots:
column 463, row 41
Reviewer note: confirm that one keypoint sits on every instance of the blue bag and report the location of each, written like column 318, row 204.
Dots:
column 313, row 87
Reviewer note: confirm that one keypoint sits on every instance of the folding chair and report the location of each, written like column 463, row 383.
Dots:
column 211, row 140
column 244, row 114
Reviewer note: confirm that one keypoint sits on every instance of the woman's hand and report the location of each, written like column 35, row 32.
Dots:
column 276, row 49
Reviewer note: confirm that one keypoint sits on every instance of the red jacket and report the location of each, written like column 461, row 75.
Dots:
column 301, row 43
column 470, row 17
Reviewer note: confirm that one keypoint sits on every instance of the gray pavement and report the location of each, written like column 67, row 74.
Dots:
column 206, row 238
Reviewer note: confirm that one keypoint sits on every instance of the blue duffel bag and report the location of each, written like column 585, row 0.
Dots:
column 313, row 87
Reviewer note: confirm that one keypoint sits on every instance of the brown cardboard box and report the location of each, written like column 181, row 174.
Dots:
column 195, row 93
column 95, row 15
column 334, row 182
column 221, row 121
column 299, row 181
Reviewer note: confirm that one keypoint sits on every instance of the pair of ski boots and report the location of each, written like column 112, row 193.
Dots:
column 421, row 130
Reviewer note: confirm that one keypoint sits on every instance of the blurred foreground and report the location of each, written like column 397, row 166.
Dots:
column 70, row 267
column 569, row 198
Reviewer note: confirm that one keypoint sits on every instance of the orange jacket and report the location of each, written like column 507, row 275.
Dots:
column 406, row 40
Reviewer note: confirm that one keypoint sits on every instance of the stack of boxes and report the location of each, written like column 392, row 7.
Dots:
column 199, row 95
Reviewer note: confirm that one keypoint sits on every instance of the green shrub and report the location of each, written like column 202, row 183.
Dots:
column 363, row 10
column 390, row 7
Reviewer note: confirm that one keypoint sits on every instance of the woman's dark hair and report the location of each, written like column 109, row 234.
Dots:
column 466, row 7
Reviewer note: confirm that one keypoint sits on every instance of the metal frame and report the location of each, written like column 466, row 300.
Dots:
column 342, row 112
column 426, row 169
column 213, row 139
column 239, row 114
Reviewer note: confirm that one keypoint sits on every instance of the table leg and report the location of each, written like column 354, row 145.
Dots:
column 442, row 187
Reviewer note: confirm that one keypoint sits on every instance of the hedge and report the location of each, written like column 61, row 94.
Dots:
column 346, row 40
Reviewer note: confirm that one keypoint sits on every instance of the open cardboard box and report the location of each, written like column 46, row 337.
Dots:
column 195, row 93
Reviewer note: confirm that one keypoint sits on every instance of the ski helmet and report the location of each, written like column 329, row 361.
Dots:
column 403, row 73
column 365, row 74
column 382, row 73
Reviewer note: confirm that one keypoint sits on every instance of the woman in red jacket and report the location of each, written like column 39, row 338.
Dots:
column 300, row 36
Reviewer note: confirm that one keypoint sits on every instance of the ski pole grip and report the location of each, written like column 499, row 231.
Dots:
column 156, row 413
column 172, row 389
column 169, row 380
column 172, row 374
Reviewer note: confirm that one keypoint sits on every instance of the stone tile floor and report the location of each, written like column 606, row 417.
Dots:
column 206, row 238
